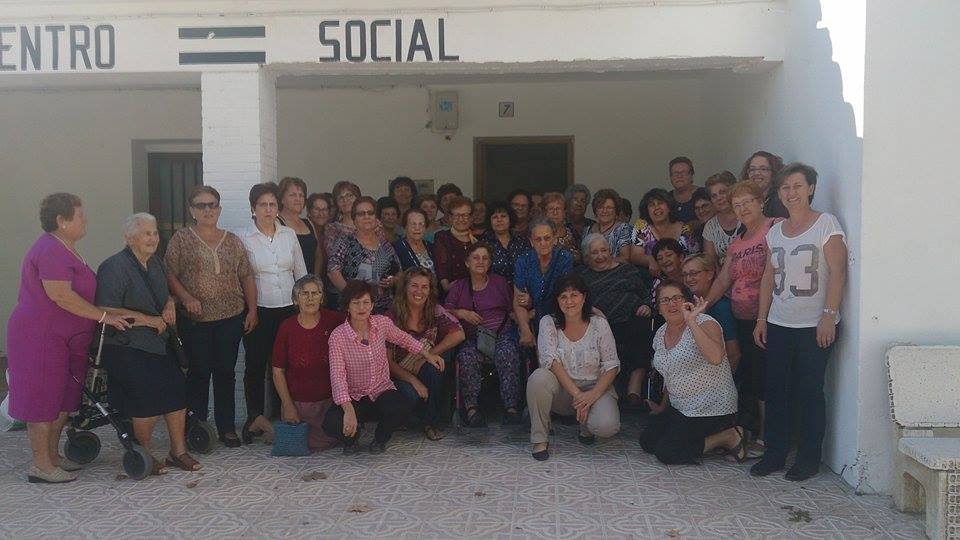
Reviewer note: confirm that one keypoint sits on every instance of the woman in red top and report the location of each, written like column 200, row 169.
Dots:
column 360, row 375
column 301, row 365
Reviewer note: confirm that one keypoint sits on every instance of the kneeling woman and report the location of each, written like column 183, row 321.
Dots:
column 145, row 379
column 301, row 365
column 360, row 375
column 578, row 364
column 699, row 407
column 415, row 310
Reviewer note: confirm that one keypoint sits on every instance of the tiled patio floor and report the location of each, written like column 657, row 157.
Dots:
column 478, row 484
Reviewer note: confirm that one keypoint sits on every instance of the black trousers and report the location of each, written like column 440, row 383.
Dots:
column 258, row 346
column 795, row 371
column 390, row 410
column 677, row 439
column 751, row 374
column 212, row 348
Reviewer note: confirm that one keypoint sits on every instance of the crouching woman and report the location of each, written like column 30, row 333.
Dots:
column 360, row 374
column 301, row 365
column 699, row 406
column 578, row 364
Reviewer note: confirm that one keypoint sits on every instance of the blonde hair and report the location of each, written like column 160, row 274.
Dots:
column 706, row 263
column 745, row 187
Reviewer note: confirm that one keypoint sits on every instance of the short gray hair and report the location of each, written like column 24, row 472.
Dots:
column 589, row 239
column 576, row 188
column 131, row 224
column 302, row 282
column 540, row 221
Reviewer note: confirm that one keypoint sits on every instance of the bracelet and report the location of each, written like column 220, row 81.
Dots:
column 764, row 319
column 102, row 317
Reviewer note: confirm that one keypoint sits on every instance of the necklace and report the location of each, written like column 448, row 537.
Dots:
column 70, row 249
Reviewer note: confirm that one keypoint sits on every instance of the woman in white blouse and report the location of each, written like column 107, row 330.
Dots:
column 578, row 364
column 277, row 262
column 698, row 410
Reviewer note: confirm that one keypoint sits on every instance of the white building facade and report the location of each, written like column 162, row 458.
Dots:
column 91, row 92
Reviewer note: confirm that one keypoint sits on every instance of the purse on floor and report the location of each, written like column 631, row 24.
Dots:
column 290, row 439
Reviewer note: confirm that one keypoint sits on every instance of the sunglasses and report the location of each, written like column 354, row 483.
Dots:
column 206, row 205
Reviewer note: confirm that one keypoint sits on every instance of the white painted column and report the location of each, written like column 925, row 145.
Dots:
column 239, row 137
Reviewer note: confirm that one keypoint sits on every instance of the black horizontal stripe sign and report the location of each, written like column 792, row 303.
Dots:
column 222, row 57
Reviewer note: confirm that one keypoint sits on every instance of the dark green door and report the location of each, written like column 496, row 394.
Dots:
column 171, row 178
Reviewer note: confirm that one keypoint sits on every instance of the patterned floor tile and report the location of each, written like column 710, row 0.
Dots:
column 472, row 484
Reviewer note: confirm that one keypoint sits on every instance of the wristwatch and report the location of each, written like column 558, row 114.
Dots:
column 832, row 312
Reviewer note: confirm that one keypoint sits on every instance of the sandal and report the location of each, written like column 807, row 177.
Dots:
column 474, row 419
column 184, row 462
column 739, row 452
column 157, row 468
column 230, row 439
column 432, row 433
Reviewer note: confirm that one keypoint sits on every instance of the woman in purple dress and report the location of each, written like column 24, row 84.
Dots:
column 49, row 333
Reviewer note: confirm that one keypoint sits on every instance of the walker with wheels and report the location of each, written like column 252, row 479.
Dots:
column 83, row 445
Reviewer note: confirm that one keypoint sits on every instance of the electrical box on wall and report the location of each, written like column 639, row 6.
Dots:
column 444, row 111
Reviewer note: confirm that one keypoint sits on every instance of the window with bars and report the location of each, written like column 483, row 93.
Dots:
column 171, row 178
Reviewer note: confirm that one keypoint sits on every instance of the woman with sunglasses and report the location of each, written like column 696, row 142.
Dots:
column 209, row 274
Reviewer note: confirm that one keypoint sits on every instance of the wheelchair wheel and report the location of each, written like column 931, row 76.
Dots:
column 81, row 446
column 137, row 462
column 201, row 437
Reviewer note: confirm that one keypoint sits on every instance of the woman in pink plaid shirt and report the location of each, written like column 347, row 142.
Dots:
column 360, row 374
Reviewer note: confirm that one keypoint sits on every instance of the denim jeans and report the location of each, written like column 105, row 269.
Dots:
column 428, row 411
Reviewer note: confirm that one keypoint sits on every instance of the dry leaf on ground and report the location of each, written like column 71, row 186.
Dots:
column 359, row 508
column 313, row 476
column 192, row 484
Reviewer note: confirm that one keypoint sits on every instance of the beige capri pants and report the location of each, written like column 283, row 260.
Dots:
column 545, row 395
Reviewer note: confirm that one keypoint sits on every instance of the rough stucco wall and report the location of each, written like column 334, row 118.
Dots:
column 807, row 110
column 78, row 142
column 910, row 189
column 624, row 132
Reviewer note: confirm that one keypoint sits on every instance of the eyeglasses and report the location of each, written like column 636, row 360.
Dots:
column 323, row 210
column 671, row 299
column 310, row 294
column 692, row 273
column 365, row 213
column 456, row 215
column 347, row 195
column 745, row 203
column 206, row 205
column 752, row 170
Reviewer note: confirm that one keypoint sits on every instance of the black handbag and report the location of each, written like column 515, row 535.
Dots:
column 173, row 337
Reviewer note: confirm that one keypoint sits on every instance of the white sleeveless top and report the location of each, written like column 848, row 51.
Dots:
column 697, row 388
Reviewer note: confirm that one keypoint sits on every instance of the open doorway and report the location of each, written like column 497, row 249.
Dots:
column 537, row 164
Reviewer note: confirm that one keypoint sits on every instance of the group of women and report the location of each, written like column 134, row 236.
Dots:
column 713, row 312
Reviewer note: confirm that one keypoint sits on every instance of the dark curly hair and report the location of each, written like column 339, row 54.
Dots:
column 63, row 205
column 658, row 194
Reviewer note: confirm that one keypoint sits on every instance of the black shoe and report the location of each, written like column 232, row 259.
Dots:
column 378, row 447
column 765, row 466
column 511, row 418
column 351, row 449
column 801, row 471
column 474, row 418
column 542, row 455
column 247, row 435
column 587, row 439
column 230, row 440
column 567, row 420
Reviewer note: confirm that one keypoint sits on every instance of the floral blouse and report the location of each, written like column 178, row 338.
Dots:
column 645, row 237
column 355, row 261
column 505, row 257
column 212, row 275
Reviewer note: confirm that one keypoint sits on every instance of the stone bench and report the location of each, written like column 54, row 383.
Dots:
column 925, row 406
